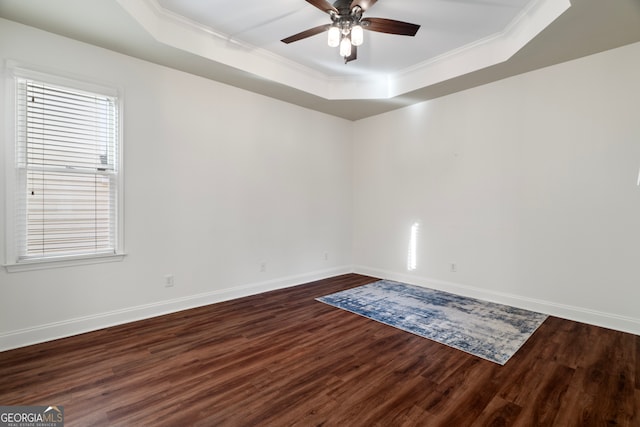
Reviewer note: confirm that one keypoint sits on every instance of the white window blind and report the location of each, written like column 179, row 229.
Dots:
column 67, row 171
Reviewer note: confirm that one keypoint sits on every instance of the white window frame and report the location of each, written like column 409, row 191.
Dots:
column 14, row 263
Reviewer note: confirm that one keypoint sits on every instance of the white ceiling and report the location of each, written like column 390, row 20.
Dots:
column 461, row 43
column 446, row 25
column 456, row 39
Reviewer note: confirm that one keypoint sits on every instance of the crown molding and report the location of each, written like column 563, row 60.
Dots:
column 179, row 32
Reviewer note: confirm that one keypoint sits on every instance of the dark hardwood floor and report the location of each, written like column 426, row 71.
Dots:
column 282, row 358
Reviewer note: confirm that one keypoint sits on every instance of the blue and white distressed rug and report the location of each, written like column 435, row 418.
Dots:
column 487, row 330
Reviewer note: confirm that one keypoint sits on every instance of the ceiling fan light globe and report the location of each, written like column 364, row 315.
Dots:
column 333, row 38
column 345, row 47
column 357, row 35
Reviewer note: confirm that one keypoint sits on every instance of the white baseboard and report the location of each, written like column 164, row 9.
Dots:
column 579, row 314
column 75, row 326
column 79, row 325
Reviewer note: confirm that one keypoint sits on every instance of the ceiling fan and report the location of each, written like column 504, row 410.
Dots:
column 347, row 25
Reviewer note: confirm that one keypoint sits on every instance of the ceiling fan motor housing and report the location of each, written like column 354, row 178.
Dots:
column 346, row 17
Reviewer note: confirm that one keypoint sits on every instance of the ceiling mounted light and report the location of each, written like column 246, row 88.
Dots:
column 334, row 36
column 347, row 25
column 357, row 35
column 345, row 47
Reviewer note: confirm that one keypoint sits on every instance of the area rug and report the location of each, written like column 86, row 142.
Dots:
column 488, row 330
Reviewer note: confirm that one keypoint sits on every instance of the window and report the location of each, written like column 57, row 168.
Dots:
column 67, row 172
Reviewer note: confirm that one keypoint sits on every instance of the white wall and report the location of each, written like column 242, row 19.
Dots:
column 528, row 184
column 217, row 181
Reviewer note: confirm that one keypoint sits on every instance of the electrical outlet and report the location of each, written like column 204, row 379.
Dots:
column 263, row 267
column 326, row 256
column 168, row 281
column 453, row 267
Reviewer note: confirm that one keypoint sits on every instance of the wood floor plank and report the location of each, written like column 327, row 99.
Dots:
column 284, row 359
column 635, row 420
column 465, row 393
column 498, row 412
column 637, row 367
column 544, row 406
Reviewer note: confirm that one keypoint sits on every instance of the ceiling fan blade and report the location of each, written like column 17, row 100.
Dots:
column 353, row 56
column 390, row 26
column 364, row 4
column 306, row 33
column 323, row 5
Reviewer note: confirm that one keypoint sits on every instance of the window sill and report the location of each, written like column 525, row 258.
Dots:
column 62, row 262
